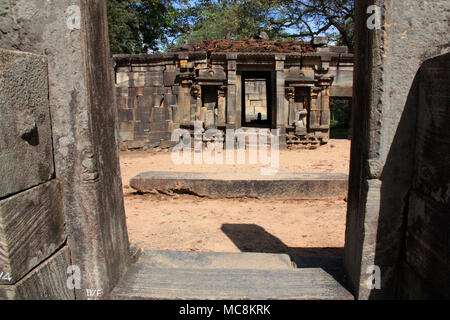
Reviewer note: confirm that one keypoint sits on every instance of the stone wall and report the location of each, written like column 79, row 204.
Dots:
column 75, row 128
column 159, row 93
column 425, row 258
column 255, row 100
column 32, row 235
column 391, row 132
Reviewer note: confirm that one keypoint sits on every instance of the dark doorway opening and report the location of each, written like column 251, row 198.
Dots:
column 256, row 99
column 340, row 118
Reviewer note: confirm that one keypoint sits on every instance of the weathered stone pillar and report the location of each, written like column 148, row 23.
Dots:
column 221, row 112
column 281, row 105
column 388, row 57
column 196, row 102
column 239, row 106
column 315, row 108
column 73, row 36
column 290, row 94
column 231, row 91
column 325, row 114
column 350, row 126
column 184, row 104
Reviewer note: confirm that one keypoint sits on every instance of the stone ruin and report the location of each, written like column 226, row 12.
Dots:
column 61, row 203
column 232, row 84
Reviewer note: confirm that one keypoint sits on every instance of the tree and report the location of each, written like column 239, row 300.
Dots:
column 140, row 26
column 217, row 19
column 287, row 19
column 310, row 18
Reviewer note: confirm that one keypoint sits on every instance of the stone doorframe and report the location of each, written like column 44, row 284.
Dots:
column 72, row 35
column 271, row 110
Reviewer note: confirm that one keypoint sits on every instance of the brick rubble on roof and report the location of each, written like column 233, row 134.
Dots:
column 250, row 45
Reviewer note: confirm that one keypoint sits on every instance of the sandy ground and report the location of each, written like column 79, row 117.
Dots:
column 185, row 222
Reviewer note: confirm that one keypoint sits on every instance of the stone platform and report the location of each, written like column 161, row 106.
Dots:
column 281, row 186
column 171, row 275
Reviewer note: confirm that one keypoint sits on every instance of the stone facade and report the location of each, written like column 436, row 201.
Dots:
column 291, row 91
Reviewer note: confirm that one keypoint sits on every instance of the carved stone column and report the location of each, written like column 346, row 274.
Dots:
column 325, row 84
column 231, row 90
column 314, row 111
column 290, row 94
column 281, row 112
column 221, row 112
column 196, row 104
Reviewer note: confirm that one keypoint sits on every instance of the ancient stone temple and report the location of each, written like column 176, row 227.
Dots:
column 233, row 84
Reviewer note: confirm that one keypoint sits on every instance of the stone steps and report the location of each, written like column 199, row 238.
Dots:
column 223, row 276
column 215, row 260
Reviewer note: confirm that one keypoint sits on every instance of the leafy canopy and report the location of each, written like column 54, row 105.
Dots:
column 142, row 26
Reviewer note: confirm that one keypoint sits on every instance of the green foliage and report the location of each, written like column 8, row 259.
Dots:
column 340, row 113
column 139, row 26
column 287, row 19
column 340, row 118
column 309, row 18
column 218, row 19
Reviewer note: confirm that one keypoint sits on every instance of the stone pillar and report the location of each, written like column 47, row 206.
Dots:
column 73, row 36
column 196, row 104
column 384, row 136
column 222, row 115
column 281, row 104
column 350, row 126
column 184, row 104
column 238, row 110
column 290, row 94
column 231, row 91
column 315, row 108
column 325, row 113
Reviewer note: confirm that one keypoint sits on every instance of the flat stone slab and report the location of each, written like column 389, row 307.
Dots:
column 215, row 260
column 174, row 275
column 302, row 186
column 143, row 282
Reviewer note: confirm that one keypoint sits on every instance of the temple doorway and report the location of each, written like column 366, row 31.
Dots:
column 256, row 101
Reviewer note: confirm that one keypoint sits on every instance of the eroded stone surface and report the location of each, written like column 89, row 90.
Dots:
column 31, row 229
column 26, row 154
column 237, row 185
column 73, row 36
column 47, row 282
column 386, row 125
